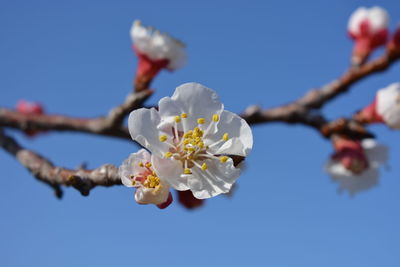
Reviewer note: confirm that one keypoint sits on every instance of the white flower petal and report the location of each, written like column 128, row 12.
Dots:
column 131, row 166
column 377, row 154
column 388, row 105
column 197, row 101
column 158, row 45
column 170, row 171
column 359, row 15
column 168, row 110
column 151, row 196
column 377, row 17
column 143, row 129
column 348, row 181
column 217, row 179
column 240, row 136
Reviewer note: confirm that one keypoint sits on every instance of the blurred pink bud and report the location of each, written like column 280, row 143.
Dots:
column 30, row 108
column 350, row 154
column 369, row 114
column 147, row 69
column 394, row 43
column 187, row 200
column 369, row 30
column 156, row 51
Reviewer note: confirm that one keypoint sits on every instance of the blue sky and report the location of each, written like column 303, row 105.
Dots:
column 75, row 57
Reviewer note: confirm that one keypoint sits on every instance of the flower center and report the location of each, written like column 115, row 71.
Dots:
column 147, row 178
column 189, row 147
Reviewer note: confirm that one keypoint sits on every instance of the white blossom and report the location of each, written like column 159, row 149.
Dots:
column 137, row 171
column 376, row 154
column 157, row 45
column 376, row 17
column 191, row 138
column 388, row 105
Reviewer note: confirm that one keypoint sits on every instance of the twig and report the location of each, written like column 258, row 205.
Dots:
column 83, row 180
column 109, row 125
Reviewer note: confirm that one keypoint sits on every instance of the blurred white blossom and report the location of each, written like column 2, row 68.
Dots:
column 388, row 105
column 158, row 46
column 359, row 179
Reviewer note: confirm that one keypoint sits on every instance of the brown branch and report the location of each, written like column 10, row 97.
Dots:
column 133, row 101
column 303, row 110
column 316, row 99
column 81, row 179
column 109, row 125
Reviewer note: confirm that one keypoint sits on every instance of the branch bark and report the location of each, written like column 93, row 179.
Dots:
column 81, row 179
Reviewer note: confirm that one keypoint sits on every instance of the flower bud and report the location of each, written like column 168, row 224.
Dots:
column 155, row 51
column 30, row 108
column 368, row 27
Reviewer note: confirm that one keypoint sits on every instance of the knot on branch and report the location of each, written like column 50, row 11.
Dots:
column 349, row 128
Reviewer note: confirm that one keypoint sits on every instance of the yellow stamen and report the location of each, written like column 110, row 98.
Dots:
column 163, row 138
column 188, row 134
column 177, row 119
column 148, row 164
column 187, row 171
column 201, row 120
column 225, row 137
column 197, row 132
column 141, row 164
column 200, row 144
column 223, row 159
column 168, row 154
column 204, row 166
column 133, row 182
column 184, row 115
column 215, row 117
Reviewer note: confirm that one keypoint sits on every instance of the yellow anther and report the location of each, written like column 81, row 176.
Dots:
column 168, row 154
column 184, row 115
column 215, row 117
column 186, row 141
column 141, row 164
column 225, row 137
column 148, row 165
column 187, row 171
column 197, row 132
column 163, row 138
column 204, row 167
column 133, row 182
column 177, row 119
column 223, row 159
column 200, row 144
column 188, row 134
column 201, row 120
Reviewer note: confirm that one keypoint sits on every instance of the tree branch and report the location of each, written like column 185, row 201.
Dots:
column 110, row 125
column 81, row 179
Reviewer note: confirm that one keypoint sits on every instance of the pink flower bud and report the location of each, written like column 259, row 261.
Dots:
column 147, row 69
column 30, row 108
column 350, row 154
column 369, row 114
column 155, row 51
column 394, row 43
column 369, row 30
